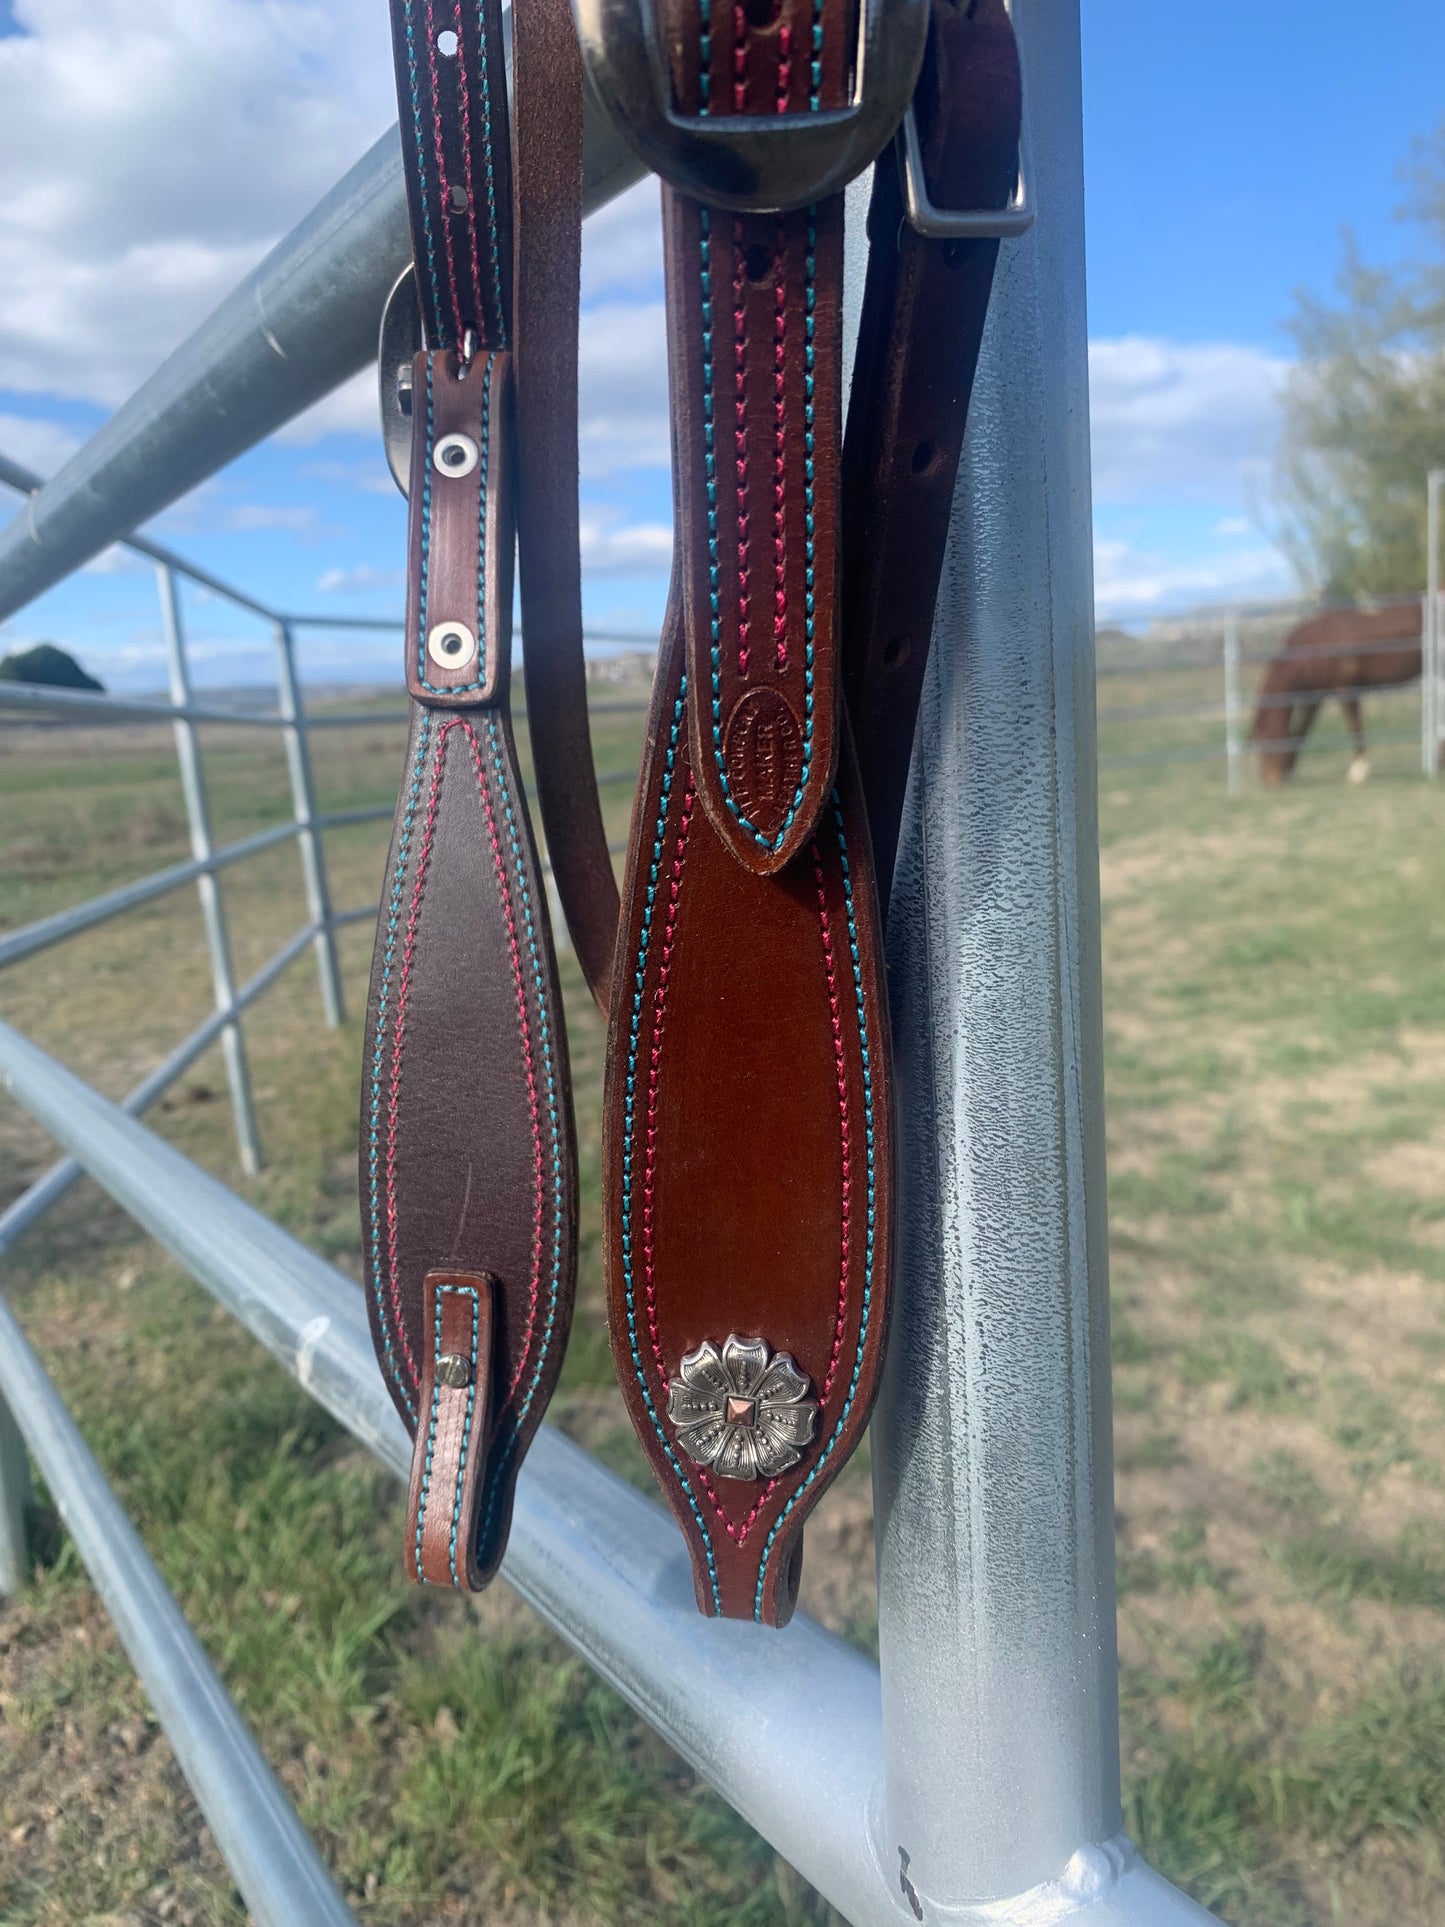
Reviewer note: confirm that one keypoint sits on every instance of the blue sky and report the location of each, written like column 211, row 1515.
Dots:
column 153, row 150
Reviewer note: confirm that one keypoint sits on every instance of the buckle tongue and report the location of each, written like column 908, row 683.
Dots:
column 762, row 163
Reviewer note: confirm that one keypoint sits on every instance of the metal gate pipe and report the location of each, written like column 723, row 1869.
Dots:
column 89, row 706
column 15, row 1494
column 61, row 924
column 32, row 1204
column 992, row 1441
column 785, row 1725
column 213, row 910
column 279, row 1872
column 303, row 804
column 297, row 327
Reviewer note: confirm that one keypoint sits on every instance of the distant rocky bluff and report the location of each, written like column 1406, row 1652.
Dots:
column 46, row 664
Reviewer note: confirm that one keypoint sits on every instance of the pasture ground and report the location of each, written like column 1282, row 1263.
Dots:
column 1275, row 983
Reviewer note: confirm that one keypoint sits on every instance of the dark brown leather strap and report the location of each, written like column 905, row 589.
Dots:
column 469, row 1165
column 547, row 101
column 747, row 1160
column 924, row 306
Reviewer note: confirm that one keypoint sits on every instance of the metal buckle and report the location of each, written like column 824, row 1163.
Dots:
column 401, row 342
column 764, row 163
column 957, row 223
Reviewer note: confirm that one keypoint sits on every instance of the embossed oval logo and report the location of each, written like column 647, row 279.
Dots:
column 763, row 748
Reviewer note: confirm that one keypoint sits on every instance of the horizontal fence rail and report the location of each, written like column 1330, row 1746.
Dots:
column 787, row 1728
column 271, row 1857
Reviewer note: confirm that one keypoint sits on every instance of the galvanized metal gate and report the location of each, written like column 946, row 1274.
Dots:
column 973, row 1776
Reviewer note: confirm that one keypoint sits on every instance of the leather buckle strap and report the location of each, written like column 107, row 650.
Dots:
column 469, row 1184
column 925, row 301
column 747, row 1164
column 744, row 157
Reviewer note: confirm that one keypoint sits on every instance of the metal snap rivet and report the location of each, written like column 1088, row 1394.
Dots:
column 451, row 645
column 453, row 1371
column 456, row 455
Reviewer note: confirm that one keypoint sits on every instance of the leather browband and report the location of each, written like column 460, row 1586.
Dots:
column 468, row 1155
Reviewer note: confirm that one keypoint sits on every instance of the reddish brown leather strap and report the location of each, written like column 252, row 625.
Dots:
column 747, row 1161
column 924, row 306
column 454, row 1413
column 468, row 1158
column 747, row 1167
column 547, row 102
column 754, row 317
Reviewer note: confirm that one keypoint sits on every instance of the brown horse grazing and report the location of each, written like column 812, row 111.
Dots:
column 1342, row 654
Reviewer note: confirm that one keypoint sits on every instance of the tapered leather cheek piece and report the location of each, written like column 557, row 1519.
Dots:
column 468, row 1162
column 748, row 1155
column 747, row 1158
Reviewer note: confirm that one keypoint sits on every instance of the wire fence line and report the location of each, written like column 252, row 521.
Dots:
column 1215, row 649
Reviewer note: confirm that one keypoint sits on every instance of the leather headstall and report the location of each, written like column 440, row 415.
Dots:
column 748, row 1165
column 468, row 1165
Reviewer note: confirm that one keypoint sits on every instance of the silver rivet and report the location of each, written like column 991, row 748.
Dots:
column 451, row 645
column 455, row 455
column 453, row 1371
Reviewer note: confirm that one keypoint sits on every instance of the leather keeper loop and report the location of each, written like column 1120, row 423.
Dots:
column 450, row 1449
column 460, row 531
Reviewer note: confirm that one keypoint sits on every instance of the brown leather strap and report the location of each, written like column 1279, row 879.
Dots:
column 468, row 1156
column 747, row 1162
column 454, row 1396
column 547, row 104
column 924, row 307
column 755, row 313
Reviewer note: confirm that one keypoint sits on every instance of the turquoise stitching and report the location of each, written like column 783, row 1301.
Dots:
column 436, row 1399
column 872, row 1210
column 461, row 688
column 632, row 1042
column 384, row 998
column 421, row 172
column 497, row 1479
column 491, row 181
column 470, row 1292
column 714, row 569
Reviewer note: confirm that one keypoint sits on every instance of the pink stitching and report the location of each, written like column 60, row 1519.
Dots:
column 442, row 189
column 505, row 893
column 467, row 168
column 842, row 1117
column 740, row 60
column 780, row 593
column 659, row 999
column 740, row 434
column 403, row 988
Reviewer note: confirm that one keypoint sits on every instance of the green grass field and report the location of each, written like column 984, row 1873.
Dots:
column 1275, row 985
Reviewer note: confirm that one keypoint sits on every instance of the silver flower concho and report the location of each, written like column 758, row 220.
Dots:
column 740, row 1410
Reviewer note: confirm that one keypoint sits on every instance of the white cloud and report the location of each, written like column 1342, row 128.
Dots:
column 638, row 548
column 38, row 445
column 152, row 151
column 352, row 409
column 356, row 581
column 1127, row 579
column 1190, row 421
column 622, row 246
column 251, row 517
column 622, row 373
